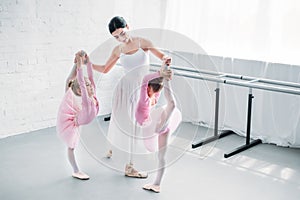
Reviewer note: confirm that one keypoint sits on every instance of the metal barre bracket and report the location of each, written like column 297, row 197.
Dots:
column 216, row 135
column 249, row 143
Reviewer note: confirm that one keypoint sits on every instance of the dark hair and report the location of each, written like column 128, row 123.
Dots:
column 115, row 23
column 156, row 84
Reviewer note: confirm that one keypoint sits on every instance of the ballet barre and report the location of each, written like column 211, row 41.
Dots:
column 236, row 80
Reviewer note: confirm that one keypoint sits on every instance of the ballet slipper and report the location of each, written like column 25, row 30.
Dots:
column 80, row 175
column 152, row 188
column 131, row 172
column 166, row 130
column 109, row 154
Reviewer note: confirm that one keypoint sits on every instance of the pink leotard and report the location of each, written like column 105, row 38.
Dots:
column 143, row 108
column 75, row 111
column 155, row 121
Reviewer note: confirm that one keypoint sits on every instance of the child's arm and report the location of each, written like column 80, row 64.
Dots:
column 146, row 79
column 89, row 66
column 141, row 113
column 110, row 63
column 82, row 116
column 71, row 77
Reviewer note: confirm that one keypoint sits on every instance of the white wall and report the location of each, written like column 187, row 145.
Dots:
column 38, row 40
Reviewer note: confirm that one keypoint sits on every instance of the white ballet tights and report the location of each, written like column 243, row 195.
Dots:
column 162, row 145
column 166, row 114
column 72, row 160
column 162, row 125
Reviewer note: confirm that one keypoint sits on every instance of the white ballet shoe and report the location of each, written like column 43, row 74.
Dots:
column 80, row 175
column 152, row 188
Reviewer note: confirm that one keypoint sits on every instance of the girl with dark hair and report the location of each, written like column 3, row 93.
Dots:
column 157, row 123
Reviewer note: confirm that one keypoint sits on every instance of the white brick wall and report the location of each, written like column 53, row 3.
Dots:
column 38, row 40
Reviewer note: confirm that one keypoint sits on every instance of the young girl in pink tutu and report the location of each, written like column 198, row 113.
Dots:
column 157, row 123
column 78, row 107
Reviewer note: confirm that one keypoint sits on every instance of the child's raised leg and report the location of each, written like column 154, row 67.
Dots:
column 166, row 114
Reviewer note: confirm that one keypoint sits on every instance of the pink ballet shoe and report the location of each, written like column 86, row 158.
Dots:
column 131, row 172
column 152, row 188
column 166, row 130
column 109, row 154
column 80, row 175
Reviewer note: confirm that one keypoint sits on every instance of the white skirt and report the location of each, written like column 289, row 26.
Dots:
column 121, row 131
